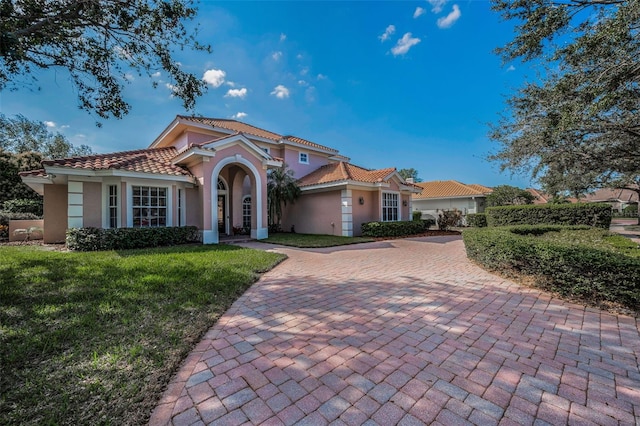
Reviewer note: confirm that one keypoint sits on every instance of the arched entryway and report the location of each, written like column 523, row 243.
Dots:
column 238, row 200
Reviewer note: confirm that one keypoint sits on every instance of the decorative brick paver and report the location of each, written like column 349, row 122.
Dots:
column 405, row 332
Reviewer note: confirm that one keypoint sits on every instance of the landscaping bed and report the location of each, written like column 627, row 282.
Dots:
column 93, row 338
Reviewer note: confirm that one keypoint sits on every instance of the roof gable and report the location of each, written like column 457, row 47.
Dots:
column 344, row 172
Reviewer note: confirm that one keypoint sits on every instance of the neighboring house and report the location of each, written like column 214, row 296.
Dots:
column 212, row 173
column 618, row 198
column 540, row 197
column 439, row 195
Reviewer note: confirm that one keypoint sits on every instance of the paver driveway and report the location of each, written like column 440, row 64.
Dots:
column 405, row 332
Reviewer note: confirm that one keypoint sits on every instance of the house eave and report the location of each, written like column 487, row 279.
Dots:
column 52, row 170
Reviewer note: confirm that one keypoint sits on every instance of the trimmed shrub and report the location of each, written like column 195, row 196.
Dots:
column 428, row 223
column 394, row 229
column 23, row 205
column 591, row 214
column 573, row 265
column 416, row 215
column 477, row 220
column 449, row 218
column 93, row 239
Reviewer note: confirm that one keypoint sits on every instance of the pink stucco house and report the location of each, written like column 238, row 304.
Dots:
column 212, row 173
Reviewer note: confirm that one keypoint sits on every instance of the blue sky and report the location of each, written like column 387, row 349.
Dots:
column 402, row 84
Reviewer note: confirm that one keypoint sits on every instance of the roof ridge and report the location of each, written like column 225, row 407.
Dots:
column 231, row 120
column 110, row 154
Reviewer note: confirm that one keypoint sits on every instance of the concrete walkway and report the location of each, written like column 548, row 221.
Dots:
column 405, row 332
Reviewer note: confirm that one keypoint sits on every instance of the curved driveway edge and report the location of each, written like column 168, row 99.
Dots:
column 405, row 332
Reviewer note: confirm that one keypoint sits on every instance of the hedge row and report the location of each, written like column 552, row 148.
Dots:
column 23, row 206
column 583, row 270
column 591, row 214
column 93, row 239
column 396, row 229
column 477, row 220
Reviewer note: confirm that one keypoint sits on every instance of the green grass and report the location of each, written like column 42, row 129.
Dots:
column 594, row 238
column 313, row 241
column 93, row 338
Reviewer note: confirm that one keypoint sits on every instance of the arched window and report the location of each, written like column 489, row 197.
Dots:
column 221, row 185
column 246, row 211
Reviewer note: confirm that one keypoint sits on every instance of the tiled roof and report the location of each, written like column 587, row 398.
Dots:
column 539, row 197
column 481, row 188
column 309, row 143
column 608, row 194
column 342, row 171
column 34, row 173
column 240, row 127
column 156, row 160
column 445, row 189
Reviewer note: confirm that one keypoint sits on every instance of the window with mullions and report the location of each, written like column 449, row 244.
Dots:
column 246, row 212
column 149, row 206
column 389, row 207
column 113, row 206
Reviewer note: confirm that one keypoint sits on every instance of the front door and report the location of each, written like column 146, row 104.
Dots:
column 222, row 225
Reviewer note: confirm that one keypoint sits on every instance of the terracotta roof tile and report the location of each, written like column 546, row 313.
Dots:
column 301, row 141
column 35, row 173
column 342, row 171
column 156, row 160
column 481, row 188
column 609, row 194
column 240, row 127
column 444, row 189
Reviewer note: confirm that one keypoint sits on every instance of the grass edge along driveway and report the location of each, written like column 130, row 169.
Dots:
column 95, row 337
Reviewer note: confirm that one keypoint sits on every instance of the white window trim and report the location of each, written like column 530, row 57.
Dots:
column 150, row 183
column 399, row 205
column 182, row 201
column 105, row 204
column 300, row 154
column 244, row 199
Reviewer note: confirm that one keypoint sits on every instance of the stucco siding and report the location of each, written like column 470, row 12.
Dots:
column 92, row 204
column 193, row 213
column 292, row 156
column 366, row 212
column 55, row 213
column 314, row 214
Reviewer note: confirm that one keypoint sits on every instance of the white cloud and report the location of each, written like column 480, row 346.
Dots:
column 65, row 126
column 310, row 94
column 437, row 5
column 230, row 83
column 451, row 18
column 239, row 115
column 304, row 71
column 172, row 88
column 419, row 12
column 387, row 33
column 236, row 93
column 283, row 37
column 322, row 77
column 129, row 77
column 299, row 57
column 280, row 92
column 156, row 74
column 51, row 124
column 214, row 77
column 303, row 83
column 511, row 68
column 276, row 56
column 404, row 44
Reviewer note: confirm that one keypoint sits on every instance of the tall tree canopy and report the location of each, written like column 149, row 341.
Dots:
column 20, row 135
column 507, row 195
column 410, row 173
column 99, row 42
column 578, row 127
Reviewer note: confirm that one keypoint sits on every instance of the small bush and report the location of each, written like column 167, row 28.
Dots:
column 591, row 214
column 449, row 218
column 394, row 229
column 416, row 215
column 94, row 239
column 23, row 206
column 428, row 223
column 477, row 220
column 584, row 262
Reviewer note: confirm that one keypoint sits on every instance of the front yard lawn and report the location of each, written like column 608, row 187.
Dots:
column 312, row 240
column 93, row 338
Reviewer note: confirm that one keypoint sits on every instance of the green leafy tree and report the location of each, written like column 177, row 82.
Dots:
column 409, row 173
column 21, row 135
column 507, row 195
column 576, row 128
column 99, row 43
column 282, row 188
column 11, row 186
